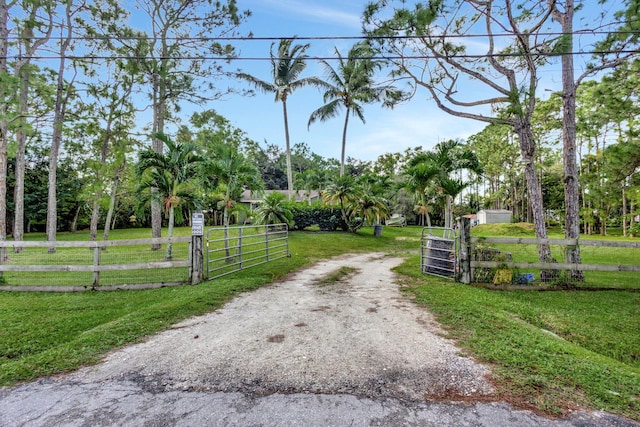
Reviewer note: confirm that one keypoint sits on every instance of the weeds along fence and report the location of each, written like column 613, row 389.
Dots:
column 514, row 261
column 99, row 265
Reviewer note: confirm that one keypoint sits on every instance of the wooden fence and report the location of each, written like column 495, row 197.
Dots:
column 37, row 263
column 471, row 263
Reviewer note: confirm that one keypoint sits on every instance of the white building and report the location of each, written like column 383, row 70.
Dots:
column 494, row 216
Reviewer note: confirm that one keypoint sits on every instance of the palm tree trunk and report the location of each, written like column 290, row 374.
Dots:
column 448, row 220
column 288, row 149
column 169, row 255
column 225, row 220
column 344, row 141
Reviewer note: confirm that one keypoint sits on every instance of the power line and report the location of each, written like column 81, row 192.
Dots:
column 323, row 58
column 585, row 31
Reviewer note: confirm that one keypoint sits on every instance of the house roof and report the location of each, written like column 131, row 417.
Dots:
column 496, row 211
column 298, row 195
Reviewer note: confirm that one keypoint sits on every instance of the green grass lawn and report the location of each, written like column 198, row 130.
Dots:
column 548, row 351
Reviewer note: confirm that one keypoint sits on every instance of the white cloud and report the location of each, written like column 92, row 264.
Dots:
column 316, row 13
column 408, row 127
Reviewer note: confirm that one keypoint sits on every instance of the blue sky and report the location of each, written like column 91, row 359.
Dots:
column 416, row 123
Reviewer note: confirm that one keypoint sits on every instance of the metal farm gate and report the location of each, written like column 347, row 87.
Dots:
column 440, row 250
column 231, row 249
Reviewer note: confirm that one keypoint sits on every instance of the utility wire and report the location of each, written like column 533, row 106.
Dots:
column 585, row 31
column 324, row 58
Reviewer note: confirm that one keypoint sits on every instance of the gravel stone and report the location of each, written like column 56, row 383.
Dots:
column 358, row 335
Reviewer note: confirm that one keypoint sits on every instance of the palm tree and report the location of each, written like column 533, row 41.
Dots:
column 351, row 85
column 344, row 192
column 439, row 168
column 419, row 174
column 373, row 208
column 273, row 209
column 233, row 173
column 169, row 172
column 286, row 66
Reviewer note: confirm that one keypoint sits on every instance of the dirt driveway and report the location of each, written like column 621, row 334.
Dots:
column 359, row 336
column 303, row 351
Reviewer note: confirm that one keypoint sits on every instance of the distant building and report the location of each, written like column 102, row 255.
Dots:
column 494, row 216
column 253, row 199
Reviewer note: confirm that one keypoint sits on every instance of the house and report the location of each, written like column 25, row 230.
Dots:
column 494, row 216
column 253, row 199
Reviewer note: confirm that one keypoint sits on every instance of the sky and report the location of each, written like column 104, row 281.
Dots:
column 418, row 122
column 415, row 123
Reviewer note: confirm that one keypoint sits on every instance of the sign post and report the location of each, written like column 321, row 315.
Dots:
column 196, row 271
column 197, row 224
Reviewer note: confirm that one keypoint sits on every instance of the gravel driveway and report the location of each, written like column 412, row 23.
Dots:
column 304, row 351
column 358, row 335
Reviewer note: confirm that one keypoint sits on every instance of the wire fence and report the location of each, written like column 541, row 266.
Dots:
column 73, row 266
column 440, row 252
column 513, row 261
column 231, row 249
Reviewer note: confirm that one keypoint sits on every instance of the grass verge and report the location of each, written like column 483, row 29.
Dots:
column 549, row 351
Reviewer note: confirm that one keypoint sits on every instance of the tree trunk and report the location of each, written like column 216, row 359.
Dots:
column 23, row 74
column 112, row 202
column 95, row 211
column 571, row 188
column 288, row 149
column 169, row 255
column 225, row 221
column 56, row 139
column 624, row 212
column 95, row 214
column 74, row 223
column 448, row 214
column 159, row 92
column 21, row 139
column 4, row 126
column 344, row 141
column 527, row 148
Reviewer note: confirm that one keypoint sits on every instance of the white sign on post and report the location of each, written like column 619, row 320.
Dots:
column 197, row 224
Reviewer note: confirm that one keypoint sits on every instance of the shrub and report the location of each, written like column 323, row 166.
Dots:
column 327, row 218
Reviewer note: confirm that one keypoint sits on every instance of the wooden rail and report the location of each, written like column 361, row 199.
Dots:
column 95, row 266
column 554, row 266
column 562, row 242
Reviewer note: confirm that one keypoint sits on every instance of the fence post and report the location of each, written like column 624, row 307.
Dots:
column 464, row 225
column 196, row 269
column 239, row 248
column 96, row 262
column 266, row 241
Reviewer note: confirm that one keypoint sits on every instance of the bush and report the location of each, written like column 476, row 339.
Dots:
column 326, row 217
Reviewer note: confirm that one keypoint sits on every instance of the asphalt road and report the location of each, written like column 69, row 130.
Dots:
column 124, row 403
